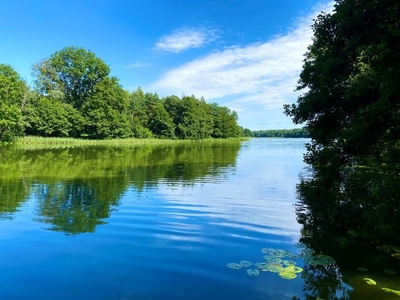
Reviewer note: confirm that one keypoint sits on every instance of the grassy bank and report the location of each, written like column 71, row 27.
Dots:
column 49, row 142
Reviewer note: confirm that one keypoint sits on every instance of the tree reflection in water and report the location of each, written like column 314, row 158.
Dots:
column 76, row 189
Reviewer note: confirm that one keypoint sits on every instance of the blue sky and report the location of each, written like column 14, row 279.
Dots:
column 243, row 54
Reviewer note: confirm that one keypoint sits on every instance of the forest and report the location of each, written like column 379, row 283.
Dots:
column 284, row 133
column 351, row 108
column 73, row 95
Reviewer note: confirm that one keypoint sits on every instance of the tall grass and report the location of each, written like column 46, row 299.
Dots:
column 52, row 142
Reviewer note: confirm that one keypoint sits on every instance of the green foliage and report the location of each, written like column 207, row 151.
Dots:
column 73, row 72
column 10, row 122
column 13, row 93
column 50, row 117
column 352, row 112
column 105, row 111
column 247, row 132
column 285, row 133
column 76, row 97
column 160, row 123
column 225, row 122
column 192, row 117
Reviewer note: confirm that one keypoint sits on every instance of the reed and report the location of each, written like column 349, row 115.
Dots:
column 53, row 142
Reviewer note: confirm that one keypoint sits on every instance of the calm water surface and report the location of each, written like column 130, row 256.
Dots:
column 155, row 222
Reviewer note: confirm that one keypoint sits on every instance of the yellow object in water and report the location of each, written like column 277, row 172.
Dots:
column 370, row 281
column 391, row 291
column 290, row 272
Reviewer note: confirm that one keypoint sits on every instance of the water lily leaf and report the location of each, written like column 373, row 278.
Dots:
column 253, row 272
column 319, row 259
column 288, row 263
column 297, row 269
column 391, row 291
column 234, row 266
column 267, row 250
column 396, row 255
column 384, row 248
column 370, row 281
column 272, row 259
column 275, row 252
column 261, row 265
column 391, row 272
column 287, row 273
column 245, row 263
column 274, row 267
column 362, row 269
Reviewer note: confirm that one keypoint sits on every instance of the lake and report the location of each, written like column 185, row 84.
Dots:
column 169, row 222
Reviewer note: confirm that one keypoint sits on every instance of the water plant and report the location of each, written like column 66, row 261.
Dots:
column 253, row 272
column 234, row 266
column 274, row 263
column 396, row 255
column 290, row 272
column 313, row 259
column 387, row 290
column 245, row 263
column 370, row 281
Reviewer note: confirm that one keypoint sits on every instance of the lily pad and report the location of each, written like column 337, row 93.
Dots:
column 391, row 272
column 260, row 265
column 287, row 273
column 384, row 248
column 388, row 248
column 319, row 259
column 272, row 259
column 370, row 281
column 234, row 266
column 253, row 272
column 293, row 255
column 274, row 267
column 362, row 269
column 275, row 252
column 297, row 269
column 267, row 250
column 396, row 255
column 245, row 263
column 391, row 291
column 288, row 263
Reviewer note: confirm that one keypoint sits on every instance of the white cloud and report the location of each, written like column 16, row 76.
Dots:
column 183, row 39
column 261, row 73
column 137, row 64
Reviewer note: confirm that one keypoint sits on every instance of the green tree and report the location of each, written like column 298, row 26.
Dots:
column 160, row 122
column 351, row 109
column 46, row 116
column 13, row 92
column 137, row 114
column 195, row 120
column 72, row 72
column 105, row 111
column 225, row 122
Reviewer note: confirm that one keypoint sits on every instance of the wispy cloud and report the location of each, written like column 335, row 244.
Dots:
column 261, row 73
column 186, row 38
column 137, row 64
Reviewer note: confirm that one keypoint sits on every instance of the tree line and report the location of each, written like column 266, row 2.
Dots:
column 74, row 95
column 283, row 133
